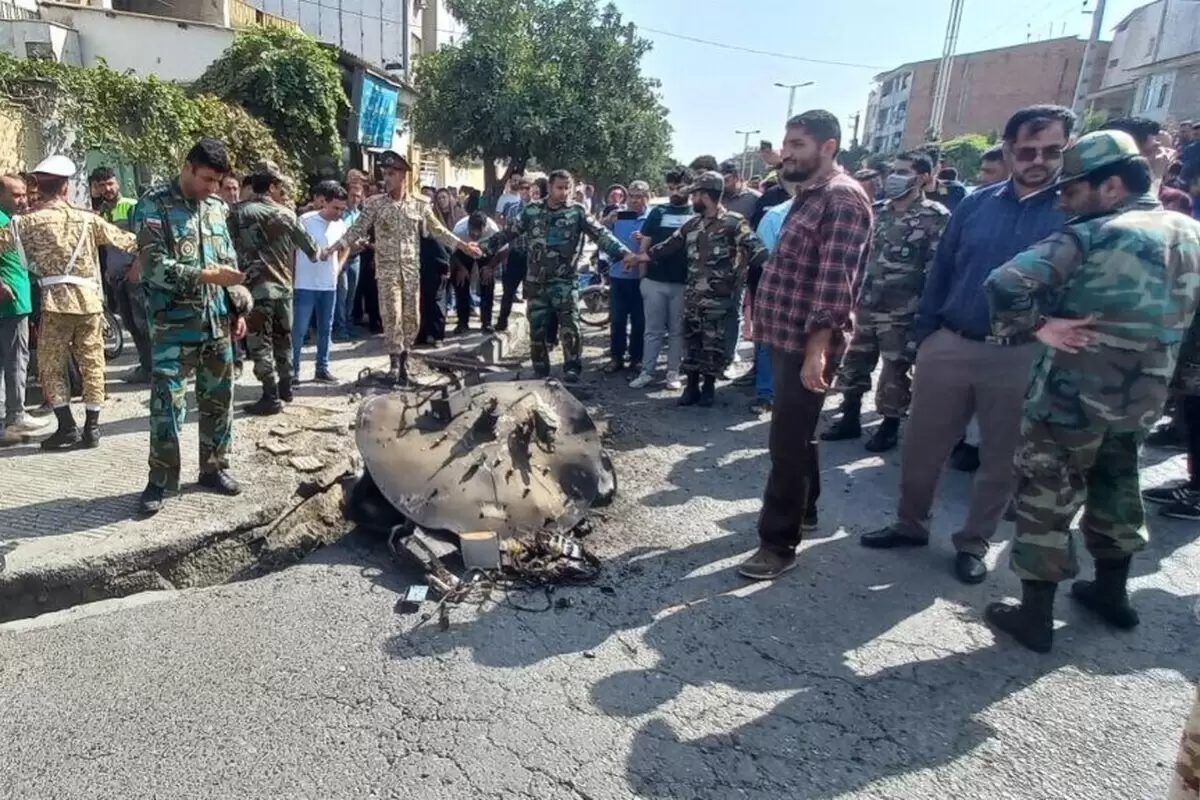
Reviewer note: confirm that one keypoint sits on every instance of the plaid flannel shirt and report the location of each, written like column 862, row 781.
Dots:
column 814, row 275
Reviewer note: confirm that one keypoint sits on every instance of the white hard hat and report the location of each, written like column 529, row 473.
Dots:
column 59, row 166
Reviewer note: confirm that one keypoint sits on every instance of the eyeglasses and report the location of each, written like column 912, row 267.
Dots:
column 1029, row 154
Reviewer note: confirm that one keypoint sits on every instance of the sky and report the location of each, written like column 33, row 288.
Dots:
column 712, row 92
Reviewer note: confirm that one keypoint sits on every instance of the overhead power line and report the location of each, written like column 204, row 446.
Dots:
column 739, row 49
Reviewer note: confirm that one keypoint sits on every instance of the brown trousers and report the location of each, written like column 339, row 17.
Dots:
column 954, row 378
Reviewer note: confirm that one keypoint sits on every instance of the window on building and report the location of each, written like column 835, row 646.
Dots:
column 887, row 87
column 896, row 138
column 904, row 81
column 414, row 45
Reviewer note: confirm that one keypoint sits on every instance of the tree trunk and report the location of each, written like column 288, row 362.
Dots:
column 491, row 184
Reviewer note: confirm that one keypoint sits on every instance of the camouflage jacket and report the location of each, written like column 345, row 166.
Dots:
column 59, row 244
column 177, row 238
column 905, row 242
column 719, row 249
column 399, row 226
column 1137, row 269
column 551, row 238
column 266, row 236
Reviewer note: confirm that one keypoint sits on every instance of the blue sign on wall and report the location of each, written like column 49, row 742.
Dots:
column 376, row 104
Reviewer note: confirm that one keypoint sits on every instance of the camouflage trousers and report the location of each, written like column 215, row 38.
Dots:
column 1185, row 783
column 558, row 300
column 269, row 338
column 871, row 341
column 62, row 336
column 710, row 334
column 1059, row 471
column 212, row 363
column 398, row 285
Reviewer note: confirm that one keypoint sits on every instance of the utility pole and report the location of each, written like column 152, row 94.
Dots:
column 746, row 148
column 1087, row 66
column 941, row 89
column 792, row 87
column 854, row 137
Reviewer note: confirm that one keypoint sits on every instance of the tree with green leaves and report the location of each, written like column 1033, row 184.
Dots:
column 556, row 81
column 965, row 154
column 289, row 81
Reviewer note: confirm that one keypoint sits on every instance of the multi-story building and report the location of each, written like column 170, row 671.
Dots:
column 1153, row 66
column 985, row 88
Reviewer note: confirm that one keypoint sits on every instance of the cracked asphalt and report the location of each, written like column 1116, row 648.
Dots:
column 860, row 675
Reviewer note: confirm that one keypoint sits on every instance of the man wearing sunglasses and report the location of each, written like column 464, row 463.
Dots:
column 960, row 368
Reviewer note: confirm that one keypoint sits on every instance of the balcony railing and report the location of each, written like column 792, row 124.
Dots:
column 12, row 11
column 244, row 15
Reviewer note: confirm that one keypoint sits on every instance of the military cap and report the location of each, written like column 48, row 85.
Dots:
column 711, row 181
column 268, row 168
column 1095, row 151
column 641, row 187
column 58, row 166
column 730, row 167
column 390, row 159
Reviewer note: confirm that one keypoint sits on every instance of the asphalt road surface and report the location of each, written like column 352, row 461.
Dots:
column 860, row 675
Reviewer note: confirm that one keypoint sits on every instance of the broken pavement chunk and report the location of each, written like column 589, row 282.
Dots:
column 306, row 463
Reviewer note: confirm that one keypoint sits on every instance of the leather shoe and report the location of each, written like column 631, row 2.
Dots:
column 969, row 568
column 889, row 537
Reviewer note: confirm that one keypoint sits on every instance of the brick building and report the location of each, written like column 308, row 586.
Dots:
column 985, row 89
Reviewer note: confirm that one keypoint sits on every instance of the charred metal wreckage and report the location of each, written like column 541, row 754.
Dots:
column 509, row 468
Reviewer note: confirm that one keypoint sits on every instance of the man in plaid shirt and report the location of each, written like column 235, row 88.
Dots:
column 802, row 313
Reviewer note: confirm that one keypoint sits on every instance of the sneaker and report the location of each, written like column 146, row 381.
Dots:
column 324, row 376
column 613, row 367
column 674, row 382
column 641, row 381
column 1182, row 510
column 761, row 406
column 766, row 565
column 1169, row 495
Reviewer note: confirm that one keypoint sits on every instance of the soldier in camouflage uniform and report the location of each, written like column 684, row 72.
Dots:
column 399, row 218
column 266, row 235
column 908, row 227
column 552, row 230
column 187, row 260
column 1113, row 296
column 58, row 244
column 721, row 247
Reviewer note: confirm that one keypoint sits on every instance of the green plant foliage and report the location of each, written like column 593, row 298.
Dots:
column 556, row 81
column 144, row 121
column 965, row 153
column 290, row 82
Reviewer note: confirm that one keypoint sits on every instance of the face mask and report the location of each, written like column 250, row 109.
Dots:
column 895, row 185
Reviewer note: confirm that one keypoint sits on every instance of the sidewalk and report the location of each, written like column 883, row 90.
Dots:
column 68, row 527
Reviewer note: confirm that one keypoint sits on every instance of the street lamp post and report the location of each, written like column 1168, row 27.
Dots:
column 792, row 87
column 746, row 148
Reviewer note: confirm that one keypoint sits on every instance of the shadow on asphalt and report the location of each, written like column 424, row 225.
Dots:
column 77, row 514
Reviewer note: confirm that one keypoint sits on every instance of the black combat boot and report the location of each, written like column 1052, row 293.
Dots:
column 1032, row 622
column 572, row 372
column 269, row 403
column 151, row 500
column 708, row 393
column 1106, row 596
column 849, row 426
column 691, row 392
column 67, row 435
column 886, row 436
column 285, row 390
column 541, row 370
column 220, row 482
column 393, row 374
column 404, row 378
column 91, row 428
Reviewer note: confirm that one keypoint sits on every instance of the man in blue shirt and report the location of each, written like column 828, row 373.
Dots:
column 960, row 370
column 764, row 383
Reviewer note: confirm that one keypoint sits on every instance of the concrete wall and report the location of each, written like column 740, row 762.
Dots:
column 171, row 49
column 214, row 12
column 21, row 145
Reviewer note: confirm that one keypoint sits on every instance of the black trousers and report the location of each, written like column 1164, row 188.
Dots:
column 366, row 300
column 794, row 483
column 433, row 312
column 462, row 300
column 514, row 273
column 1188, row 407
